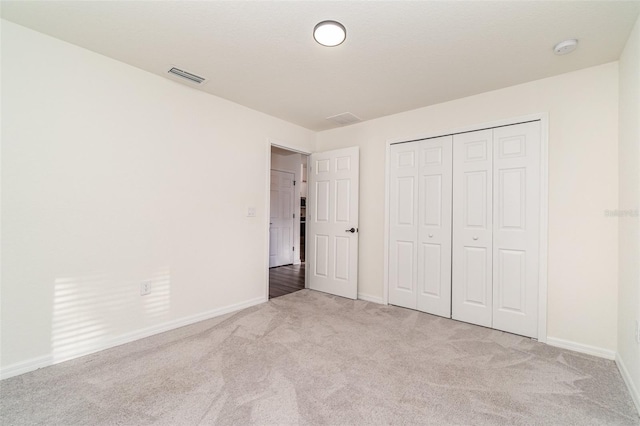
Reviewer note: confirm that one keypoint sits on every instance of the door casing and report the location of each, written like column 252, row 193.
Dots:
column 267, row 205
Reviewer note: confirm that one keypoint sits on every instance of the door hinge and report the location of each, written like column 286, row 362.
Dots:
column 294, row 183
column 294, row 215
column 293, row 248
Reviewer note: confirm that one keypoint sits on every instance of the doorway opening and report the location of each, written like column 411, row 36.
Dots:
column 287, row 226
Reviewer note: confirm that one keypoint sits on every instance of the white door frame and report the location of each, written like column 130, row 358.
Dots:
column 267, row 206
column 544, row 203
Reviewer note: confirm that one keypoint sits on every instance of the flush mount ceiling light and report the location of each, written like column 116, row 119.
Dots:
column 565, row 47
column 329, row 33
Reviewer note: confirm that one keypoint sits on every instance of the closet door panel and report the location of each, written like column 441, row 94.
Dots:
column 516, row 228
column 434, row 227
column 472, row 262
column 403, row 224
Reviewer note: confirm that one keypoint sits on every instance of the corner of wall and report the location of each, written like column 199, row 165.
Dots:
column 628, row 347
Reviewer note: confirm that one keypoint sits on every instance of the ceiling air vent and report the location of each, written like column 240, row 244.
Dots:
column 344, row 119
column 187, row 75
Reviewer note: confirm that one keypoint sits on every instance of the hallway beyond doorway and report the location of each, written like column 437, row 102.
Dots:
column 285, row 279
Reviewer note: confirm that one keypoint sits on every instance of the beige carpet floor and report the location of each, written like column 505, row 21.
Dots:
column 312, row 358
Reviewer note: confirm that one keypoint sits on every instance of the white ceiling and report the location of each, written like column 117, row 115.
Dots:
column 398, row 55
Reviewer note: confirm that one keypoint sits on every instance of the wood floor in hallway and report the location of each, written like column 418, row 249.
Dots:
column 285, row 279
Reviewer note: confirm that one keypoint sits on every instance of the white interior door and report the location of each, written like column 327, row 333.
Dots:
column 281, row 219
column 403, row 224
column 516, row 225
column 332, row 221
column 472, row 294
column 434, row 226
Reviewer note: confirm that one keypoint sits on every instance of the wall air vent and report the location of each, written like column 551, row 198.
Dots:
column 344, row 119
column 196, row 79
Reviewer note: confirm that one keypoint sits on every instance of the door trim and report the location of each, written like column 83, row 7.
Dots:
column 267, row 206
column 544, row 202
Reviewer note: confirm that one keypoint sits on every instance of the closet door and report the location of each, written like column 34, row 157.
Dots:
column 472, row 227
column 403, row 224
column 434, row 226
column 516, row 225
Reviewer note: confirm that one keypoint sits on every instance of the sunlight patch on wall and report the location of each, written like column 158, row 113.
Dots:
column 90, row 311
column 81, row 310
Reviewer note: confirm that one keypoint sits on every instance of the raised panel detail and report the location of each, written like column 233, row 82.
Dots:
column 475, row 198
column 322, row 166
column 512, row 193
column 405, row 200
column 475, row 151
column 511, row 285
column 342, row 258
column 274, row 206
column 322, row 255
column 287, row 204
column 322, row 201
column 475, row 275
column 343, row 195
column 431, row 258
column 285, row 239
column 512, row 147
column 406, row 159
column 432, row 156
column 274, row 243
column 405, row 249
column 343, row 164
column 433, row 200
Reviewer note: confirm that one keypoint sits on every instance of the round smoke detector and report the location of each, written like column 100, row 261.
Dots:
column 565, row 47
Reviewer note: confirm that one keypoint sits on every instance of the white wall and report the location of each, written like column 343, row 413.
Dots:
column 629, row 226
column 112, row 176
column 583, row 181
column 292, row 163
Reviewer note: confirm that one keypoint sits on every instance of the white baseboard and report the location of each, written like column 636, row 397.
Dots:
column 582, row 348
column 26, row 366
column 369, row 298
column 633, row 389
column 47, row 360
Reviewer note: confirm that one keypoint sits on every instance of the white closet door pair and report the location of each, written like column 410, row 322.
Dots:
column 420, row 225
column 496, row 225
